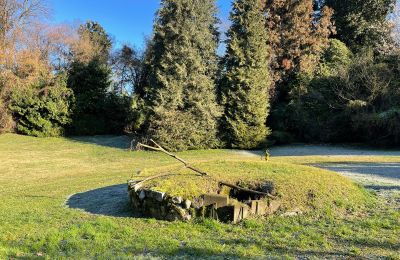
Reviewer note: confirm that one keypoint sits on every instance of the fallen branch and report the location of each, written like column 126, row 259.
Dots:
column 161, row 149
column 202, row 173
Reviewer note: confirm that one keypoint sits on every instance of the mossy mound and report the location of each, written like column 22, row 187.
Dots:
column 299, row 188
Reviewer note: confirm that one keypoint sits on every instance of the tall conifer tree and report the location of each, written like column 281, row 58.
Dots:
column 246, row 82
column 362, row 22
column 298, row 35
column 182, row 66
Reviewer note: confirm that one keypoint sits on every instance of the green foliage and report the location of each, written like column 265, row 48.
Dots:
column 42, row 109
column 182, row 69
column 362, row 22
column 89, row 83
column 95, row 34
column 96, row 109
column 336, row 55
column 245, row 85
column 350, row 102
column 181, row 130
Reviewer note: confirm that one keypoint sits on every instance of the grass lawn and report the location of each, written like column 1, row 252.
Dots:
column 37, row 176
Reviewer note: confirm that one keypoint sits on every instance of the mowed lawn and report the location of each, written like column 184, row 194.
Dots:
column 38, row 176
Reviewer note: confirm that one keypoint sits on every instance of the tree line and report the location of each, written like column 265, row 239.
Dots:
column 292, row 70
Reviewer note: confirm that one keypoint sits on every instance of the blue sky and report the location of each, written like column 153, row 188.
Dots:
column 128, row 21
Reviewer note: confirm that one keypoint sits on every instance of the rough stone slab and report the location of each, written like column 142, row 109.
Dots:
column 258, row 207
column 142, row 195
column 187, row 204
column 239, row 213
column 177, row 200
column 273, row 206
column 219, row 200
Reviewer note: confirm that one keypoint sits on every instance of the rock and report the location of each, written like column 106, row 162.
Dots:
column 177, row 200
column 176, row 213
column 158, row 196
column 135, row 200
column 187, row 204
column 292, row 213
column 136, row 187
column 273, row 206
column 197, row 203
column 142, row 195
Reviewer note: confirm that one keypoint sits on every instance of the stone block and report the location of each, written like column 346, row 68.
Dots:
column 219, row 200
column 258, row 207
column 240, row 212
column 177, row 200
column 142, row 195
column 198, row 203
column 156, row 195
column 187, row 204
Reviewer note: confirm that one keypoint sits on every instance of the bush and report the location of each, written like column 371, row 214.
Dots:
column 171, row 128
column 42, row 109
column 96, row 110
column 354, row 101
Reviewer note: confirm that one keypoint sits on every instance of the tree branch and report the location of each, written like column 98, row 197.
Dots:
column 202, row 173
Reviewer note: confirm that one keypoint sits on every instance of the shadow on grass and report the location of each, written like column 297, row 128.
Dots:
column 273, row 252
column 119, row 142
column 108, row 201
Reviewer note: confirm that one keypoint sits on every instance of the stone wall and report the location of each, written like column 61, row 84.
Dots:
column 155, row 204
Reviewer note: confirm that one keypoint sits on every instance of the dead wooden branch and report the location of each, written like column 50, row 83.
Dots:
column 247, row 190
column 202, row 173
column 161, row 149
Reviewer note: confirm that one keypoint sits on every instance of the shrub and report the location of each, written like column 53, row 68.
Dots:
column 42, row 109
column 353, row 101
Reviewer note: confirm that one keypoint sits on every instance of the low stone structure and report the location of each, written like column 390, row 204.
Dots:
column 155, row 204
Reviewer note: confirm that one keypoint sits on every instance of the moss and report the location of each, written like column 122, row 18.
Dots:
column 299, row 187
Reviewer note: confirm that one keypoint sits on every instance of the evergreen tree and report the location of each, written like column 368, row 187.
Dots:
column 89, row 83
column 95, row 107
column 297, row 35
column 246, row 81
column 43, row 108
column 182, row 66
column 362, row 22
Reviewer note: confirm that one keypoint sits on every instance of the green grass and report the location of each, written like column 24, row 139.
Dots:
column 300, row 188
column 38, row 175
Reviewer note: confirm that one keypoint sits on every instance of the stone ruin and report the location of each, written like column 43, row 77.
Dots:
column 238, row 205
column 232, row 208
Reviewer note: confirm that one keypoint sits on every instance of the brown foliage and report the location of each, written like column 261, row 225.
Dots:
column 297, row 36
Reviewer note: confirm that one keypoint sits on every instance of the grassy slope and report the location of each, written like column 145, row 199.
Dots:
column 299, row 187
column 37, row 175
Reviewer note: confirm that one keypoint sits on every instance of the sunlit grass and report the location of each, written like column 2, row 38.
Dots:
column 38, row 175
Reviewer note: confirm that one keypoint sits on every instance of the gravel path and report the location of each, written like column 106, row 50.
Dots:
column 322, row 150
column 384, row 178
